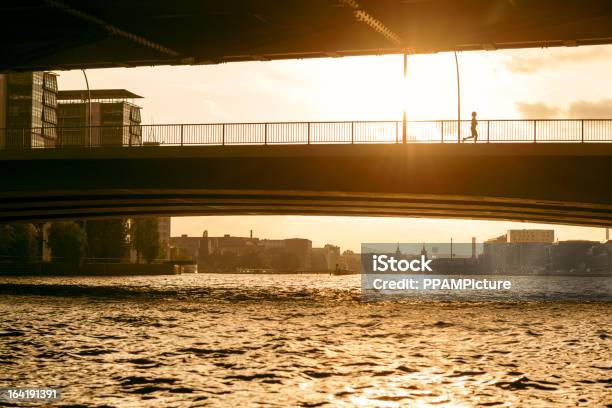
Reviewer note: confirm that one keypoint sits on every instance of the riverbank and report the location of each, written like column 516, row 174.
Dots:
column 86, row 269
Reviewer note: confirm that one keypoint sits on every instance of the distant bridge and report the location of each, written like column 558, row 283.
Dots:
column 548, row 181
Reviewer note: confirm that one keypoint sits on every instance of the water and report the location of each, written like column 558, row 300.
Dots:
column 306, row 340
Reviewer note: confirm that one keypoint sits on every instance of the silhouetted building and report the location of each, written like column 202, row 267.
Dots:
column 351, row 261
column 28, row 105
column 517, row 251
column 110, row 118
column 579, row 257
column 530, row 235
column 163, row 224
column 302, row 249
column 228, row 253
column 187, row 245
column 230, row 244
column 326, row 258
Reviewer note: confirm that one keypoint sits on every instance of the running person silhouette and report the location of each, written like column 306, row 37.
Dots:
column 473, row 128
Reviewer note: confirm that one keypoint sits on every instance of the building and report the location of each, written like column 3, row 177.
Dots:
column 578, row 256
column 351, row 261
column 99, row 117
column 229, row 253
column 326, row 259
column 302, row 249
column 530, row 236
column 28, row 110
column 228, row 244
column 189, row 246
column 223, row 254
column 164, row 236
column 517, row 252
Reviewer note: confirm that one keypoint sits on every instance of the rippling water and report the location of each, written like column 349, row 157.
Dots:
column 307, row 340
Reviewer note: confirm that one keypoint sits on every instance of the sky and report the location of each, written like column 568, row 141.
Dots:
column 571, row 82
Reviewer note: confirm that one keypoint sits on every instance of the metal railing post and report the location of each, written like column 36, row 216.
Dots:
column 488, row 131
column 265, row 133
column 181, row 135
column 442, row 131
column 535, row 137
column 223, row 135
column 582, row 131
column 308, row 132
column 352, row 132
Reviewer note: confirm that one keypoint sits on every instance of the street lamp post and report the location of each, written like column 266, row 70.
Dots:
column 88, row 124
column 458, row 100
column 404, row 112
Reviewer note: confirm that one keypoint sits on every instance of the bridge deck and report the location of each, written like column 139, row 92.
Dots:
column 68, row 34
column 557, row 183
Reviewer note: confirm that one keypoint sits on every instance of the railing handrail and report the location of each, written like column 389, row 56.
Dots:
column 302, row 132
column 311, row 122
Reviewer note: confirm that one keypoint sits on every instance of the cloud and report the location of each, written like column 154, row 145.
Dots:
column 538, row 110
column 579, row 109
column 535, row 60
column 601, row 109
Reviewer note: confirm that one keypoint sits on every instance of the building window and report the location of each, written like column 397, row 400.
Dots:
column 50, row 82
column 50, row 99
column 49, row 115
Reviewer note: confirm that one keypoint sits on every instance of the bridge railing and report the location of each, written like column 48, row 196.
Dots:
column 345, row 132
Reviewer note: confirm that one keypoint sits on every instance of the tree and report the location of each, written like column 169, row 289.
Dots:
column 25, row 241
column 146, row 238
column 6, row 240
column 67, row 241
column 19, row 242
column 106, row 239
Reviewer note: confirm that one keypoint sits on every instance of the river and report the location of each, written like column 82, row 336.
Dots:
column 304, row 340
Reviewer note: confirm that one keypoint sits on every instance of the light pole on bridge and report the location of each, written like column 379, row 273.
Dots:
column 88, row 109
column 404, row 112
column 458, row 100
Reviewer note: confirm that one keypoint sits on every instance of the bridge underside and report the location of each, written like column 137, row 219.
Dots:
column 549, row 183
column 69, row 34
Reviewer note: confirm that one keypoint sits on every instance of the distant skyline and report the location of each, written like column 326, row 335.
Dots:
column 533, row 83
column 351, row 232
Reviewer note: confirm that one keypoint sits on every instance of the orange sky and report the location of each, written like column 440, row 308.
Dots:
column 536, row 83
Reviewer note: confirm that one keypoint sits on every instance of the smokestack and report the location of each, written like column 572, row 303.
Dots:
column 473, row 247
column 251, row 234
